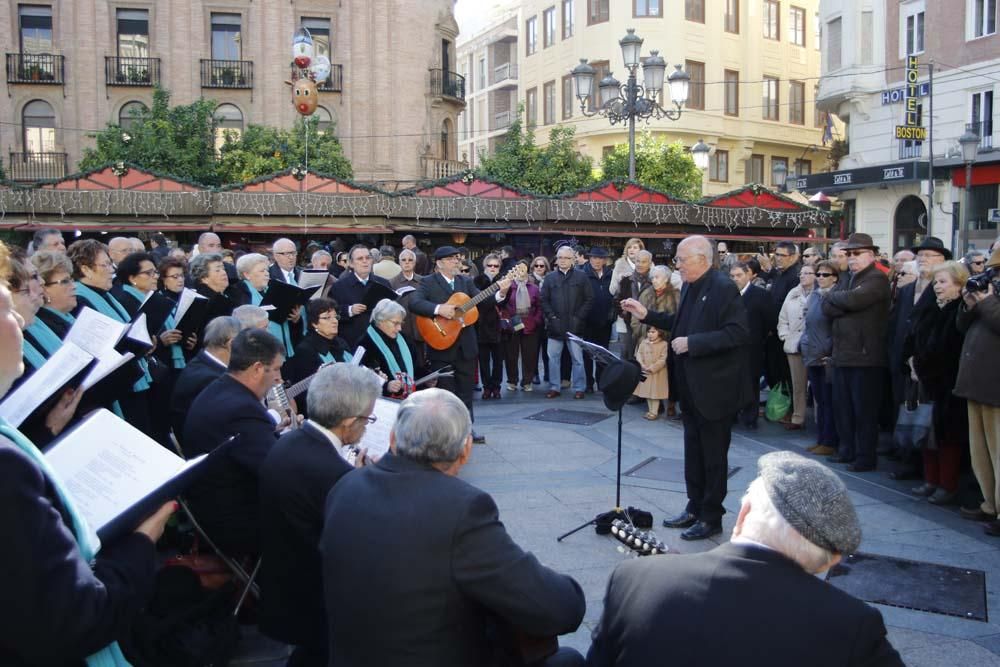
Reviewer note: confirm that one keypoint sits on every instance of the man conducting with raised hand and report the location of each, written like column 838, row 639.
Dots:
column 796, row 521
column 417, row 568
column 709, row 334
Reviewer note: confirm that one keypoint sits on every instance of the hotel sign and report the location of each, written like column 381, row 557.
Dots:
column 911, row 130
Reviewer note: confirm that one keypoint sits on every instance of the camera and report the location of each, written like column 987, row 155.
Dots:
column 981, row 281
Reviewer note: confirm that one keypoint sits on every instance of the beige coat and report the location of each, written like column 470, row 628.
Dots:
column 653, row 356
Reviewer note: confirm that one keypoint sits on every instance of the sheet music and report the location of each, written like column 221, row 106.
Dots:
column 108, row 362
column 376, row 437
column 405, row 289
column 95, row 332
column 358, row 356
column 601, row 354
column 187, row 297
column 139, row 332
column 313, row 278
column 57, row 370
column 107, row 465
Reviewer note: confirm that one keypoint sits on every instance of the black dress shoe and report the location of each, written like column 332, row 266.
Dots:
column 837, row 458
column 478, row 439
column 905, row 473
column 682, row 520
column 975, row 514
column 861, row 467
column 702, row 531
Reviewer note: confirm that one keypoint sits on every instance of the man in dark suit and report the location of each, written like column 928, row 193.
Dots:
column 225, row 501
column 760, row 589
column 417, row 568
column 295, row 479
column 349, row 293
column 285, row 267
column 423, row 265
column 762, row 318
column 209, row 243
column 207, row 366
column 429, row 300
column 709, row 333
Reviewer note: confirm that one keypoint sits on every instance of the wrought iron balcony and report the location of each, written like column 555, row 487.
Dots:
column 448, row 84
column 36, row 166
column 333, row 83
column 910, row 150
column 45, row 68
column 226, row 73
column 437, row 168
column 505, row 72
column 129, row 71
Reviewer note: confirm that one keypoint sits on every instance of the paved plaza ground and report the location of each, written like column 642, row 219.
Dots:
column 547, row 478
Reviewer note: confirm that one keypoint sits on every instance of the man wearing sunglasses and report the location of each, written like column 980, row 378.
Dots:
column 859, row 308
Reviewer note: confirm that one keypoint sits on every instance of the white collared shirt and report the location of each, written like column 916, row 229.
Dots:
column 745, row 288
column 215, row 359
column 338, row 446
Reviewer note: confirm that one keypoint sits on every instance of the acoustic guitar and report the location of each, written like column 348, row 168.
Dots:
column 441, row 333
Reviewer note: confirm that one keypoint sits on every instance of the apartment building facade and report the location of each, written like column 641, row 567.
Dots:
column 753, row 66
column 393, row 95
column 900, row 189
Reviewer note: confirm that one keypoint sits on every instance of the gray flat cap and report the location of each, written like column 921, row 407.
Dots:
column 812, row 499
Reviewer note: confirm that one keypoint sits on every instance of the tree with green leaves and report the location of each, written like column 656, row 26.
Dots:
column 262, row 150
column 170, row 140
column 667, row 167
column 552, row 169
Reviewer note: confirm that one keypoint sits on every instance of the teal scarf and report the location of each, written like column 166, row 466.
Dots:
column 65, row 317
column 143, row 364
column 31, row 355
column 279, row 331
column 45, row 336
column 86, row 539
column 176, row 351
column 108, row 305
column 390, row 358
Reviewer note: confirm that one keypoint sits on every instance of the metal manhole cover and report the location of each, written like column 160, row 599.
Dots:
column 576, row 417
column 910, row 584
column 665, row 470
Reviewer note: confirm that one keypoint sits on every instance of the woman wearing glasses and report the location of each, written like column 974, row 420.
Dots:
column 539, row 268
column 26, row 293
column 387, row 352
column 816, row 347
column 320, row 346
column 791, row 324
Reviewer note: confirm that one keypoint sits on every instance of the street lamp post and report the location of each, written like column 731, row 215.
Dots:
column 779, row 174
column 970, row 146
column 620, row 102
column 700, row 154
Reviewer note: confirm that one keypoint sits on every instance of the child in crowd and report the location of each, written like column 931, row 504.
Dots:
column 652, row 358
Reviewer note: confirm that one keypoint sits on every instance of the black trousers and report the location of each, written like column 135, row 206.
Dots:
column 599, row 335
column 857, row 396
column 491, row 357
column 755, row 369
column 706, row 463
column 309, row 656
column 463, row 383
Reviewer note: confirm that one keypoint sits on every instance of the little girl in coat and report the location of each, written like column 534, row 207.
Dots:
column 652, row 358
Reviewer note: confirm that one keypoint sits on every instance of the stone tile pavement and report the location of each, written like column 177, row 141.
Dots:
column 548, row 478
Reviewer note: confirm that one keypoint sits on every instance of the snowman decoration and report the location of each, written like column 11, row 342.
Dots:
column 305, row 96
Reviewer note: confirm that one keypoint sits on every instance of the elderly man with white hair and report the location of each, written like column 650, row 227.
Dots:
column 285, row 259
column 295, row 479
column 417, row 567
column 708, row 332
column 761, row 590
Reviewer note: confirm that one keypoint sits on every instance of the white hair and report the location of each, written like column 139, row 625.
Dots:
column 385, row 309
column 698, row 245
column 342, row 391
column 248, row 262
column 432, row 426
column 321, row 253
column 659, row 270
column 250, row 316
column 764, row 524
column 644, row 254
column 408, row 253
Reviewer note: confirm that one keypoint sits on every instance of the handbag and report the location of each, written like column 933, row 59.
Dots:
column 915, row 423
column 779, row 402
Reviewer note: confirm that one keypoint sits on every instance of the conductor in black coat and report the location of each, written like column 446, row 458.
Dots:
column 430, row 299
column 445, row 575
column 762, row 319
column 760, row 589
column 225, row 501
column 295, row 479
column 349, row 293
column 709, row 333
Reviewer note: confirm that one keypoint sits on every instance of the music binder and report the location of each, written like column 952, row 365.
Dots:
column 118, row 476
column 376, row 292
column 285, row 298
column 157, row 309
column 194, row 318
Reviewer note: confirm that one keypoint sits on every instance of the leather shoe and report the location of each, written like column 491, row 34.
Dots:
column 992, row 528
column 860, row 467
column 974, row 514
column 837, row 458
column 701, row 531
column 682, row 520
column 478, row 439
column 552, row 393
column 794, row 427
column 578, row 395
column 824, row 450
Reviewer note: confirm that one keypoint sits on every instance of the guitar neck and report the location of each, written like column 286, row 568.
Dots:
column 479, row 298
column 294, row 390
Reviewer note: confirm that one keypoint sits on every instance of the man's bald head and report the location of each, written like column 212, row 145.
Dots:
column 209, row 243
column 119, row 248
column 694, row 258
column 284, row 253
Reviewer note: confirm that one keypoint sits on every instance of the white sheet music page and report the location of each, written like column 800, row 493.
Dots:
column 376, row 437
column 107, row 465
column 184, row 302
column 57, row 370
column 95, row 332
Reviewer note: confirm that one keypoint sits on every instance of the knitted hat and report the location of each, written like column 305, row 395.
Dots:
column 812, row 499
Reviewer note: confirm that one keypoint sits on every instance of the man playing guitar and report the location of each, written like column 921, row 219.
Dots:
column 431, row 299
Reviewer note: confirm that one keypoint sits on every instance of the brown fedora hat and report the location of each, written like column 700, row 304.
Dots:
column 860, row 241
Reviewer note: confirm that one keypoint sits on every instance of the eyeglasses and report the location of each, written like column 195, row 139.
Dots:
column 492, row 266
column 723, row 252
column 63, row 282
column 329, row 317
column 342, row 260
column 855, row 253
column 286, row 253
column 148, row 272
column 782, row 254
column 466, row 270
column 538, row 266
column 395, row 323
column 979, row 262
column 824, row 274
column 901, row 274
column 371, row 419
column 174, row 276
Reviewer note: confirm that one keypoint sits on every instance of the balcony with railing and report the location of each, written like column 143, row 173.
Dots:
column 226, row 73
column 910, row 150
column 36, row 166
column 332, row 84
column 129, row 71
column 448, row 84
column 438, row 168
column 505, row 73
column 44, row 68
column 501, row 120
